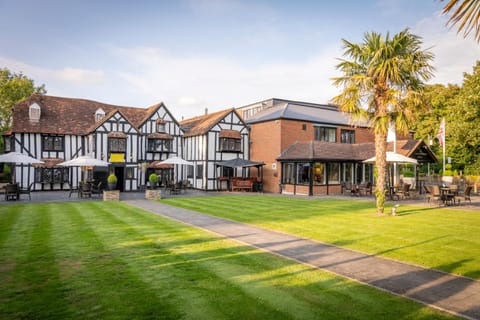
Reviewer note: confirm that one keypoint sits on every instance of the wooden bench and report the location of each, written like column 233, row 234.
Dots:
column 242, row 185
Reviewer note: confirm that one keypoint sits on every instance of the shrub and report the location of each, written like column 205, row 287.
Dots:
column 153, row 178
column 112, row 178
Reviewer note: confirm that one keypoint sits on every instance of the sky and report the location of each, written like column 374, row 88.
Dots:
column 215, row 54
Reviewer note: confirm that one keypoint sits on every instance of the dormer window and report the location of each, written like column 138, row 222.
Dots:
column 34, row 112
column 160, row 125
column 99, row 114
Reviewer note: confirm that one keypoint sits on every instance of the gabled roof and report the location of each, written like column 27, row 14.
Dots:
column 202, row 124
column 61, row 115
column 331, row 151
column 317, row 113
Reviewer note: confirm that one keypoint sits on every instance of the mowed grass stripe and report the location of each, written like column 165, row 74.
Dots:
column 415, row 235
column 196, row 285
column 113, row 261
column 35, row 277
column 100, row 283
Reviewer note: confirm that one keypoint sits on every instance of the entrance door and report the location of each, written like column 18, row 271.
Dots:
column 120, row 173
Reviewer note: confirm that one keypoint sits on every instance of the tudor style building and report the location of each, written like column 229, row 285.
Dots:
column 56, row 129
column 210, row 139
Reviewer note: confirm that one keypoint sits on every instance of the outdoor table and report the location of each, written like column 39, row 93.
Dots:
column 446, row 195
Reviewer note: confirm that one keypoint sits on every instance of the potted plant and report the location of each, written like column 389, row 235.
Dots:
column 112, row 182
column 153, row 179
column 153, row 193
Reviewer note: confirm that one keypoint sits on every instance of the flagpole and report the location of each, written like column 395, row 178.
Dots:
column 443, row 144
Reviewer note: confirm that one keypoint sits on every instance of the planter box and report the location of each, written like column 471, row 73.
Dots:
column 113, row 195
column 153, row 194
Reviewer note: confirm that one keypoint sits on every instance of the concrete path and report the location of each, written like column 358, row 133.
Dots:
column 454, row 294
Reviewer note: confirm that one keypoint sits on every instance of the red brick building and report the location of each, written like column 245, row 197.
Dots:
column 312, row 148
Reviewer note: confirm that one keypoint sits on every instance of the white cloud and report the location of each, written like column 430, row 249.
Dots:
column 71, row 75
column 454, row 55
column 189, row 84
column 80, row 76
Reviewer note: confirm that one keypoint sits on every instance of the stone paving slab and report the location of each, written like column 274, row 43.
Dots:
column 454, row 294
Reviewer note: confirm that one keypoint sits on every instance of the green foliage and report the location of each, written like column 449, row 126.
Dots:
column 153, row 178
column 460, row 106
column 112, row 178
column 14, row 87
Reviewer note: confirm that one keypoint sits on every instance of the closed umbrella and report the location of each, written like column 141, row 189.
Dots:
column 17, row 158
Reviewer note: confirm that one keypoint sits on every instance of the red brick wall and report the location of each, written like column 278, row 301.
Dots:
column 265, row 146
column 269, row 139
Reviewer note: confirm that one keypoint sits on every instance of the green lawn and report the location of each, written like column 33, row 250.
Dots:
column 97, row 260
column 441, row 238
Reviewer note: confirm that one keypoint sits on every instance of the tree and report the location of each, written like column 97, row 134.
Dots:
column 14, row 87
column 382, row 82
column 467, row 13
column 463, row 131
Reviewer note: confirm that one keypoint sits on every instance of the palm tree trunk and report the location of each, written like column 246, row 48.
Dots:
column 381, row 162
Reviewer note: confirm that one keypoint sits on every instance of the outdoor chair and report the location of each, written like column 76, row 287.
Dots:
column 72, row 190
column 27, row 190
column 351, row 188
column 97, row 189
column 466, row 194
column 12, row 192
column 365, row 188
column 85, row 190
column 433, row 194
column 404, row 192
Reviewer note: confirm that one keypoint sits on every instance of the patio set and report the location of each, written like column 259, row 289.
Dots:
column 447, row 195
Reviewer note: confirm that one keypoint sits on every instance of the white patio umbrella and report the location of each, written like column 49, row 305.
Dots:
column 17, row 158
column 394, row 157
column 176, row 161
column 84, row 161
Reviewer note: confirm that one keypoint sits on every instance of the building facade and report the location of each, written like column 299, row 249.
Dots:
column 56, row 129
column 312, row 149
column 210, row 139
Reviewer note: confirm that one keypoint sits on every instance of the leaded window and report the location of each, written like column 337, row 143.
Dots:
column 117, row 144
column 230, row 145
column 159, row 145
column 53, row 143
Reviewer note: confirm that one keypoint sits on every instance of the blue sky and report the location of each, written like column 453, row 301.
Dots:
column 215, row 54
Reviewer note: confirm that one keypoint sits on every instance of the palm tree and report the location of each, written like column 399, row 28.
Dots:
column 467, row 14
column 382, row 83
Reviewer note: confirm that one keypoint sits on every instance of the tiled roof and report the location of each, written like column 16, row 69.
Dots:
column 202, row 124
column 330, row 151
column 326, row 114
column 165, row 136
column 233, row 134
column 71, row 116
